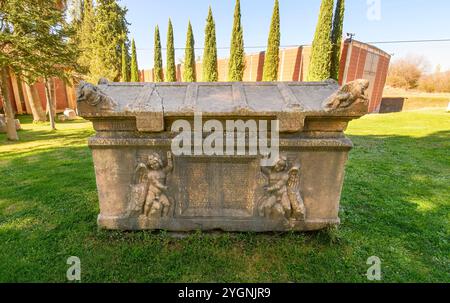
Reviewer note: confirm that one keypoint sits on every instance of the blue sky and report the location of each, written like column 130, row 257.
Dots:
column 397, row 20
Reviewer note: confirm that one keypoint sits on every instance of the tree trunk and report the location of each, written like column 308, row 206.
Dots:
column 35, row 103
column 51, row 113
column 22, row 97
column 52, row 86
column 11, row 130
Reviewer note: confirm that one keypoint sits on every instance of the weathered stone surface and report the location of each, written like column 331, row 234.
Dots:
column 3, row 124
column 67, row 115
column 70, row 114
column 142, row 184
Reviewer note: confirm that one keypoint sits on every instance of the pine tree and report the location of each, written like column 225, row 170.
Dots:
column 271, row 61
column 210, row 72
column 171, row 71
column 237, row 64
column 336, row 38
column 189, row 74
column 134, row 64
column 319, row 67
column 35, row 42
column 110, row 31
column 157, row 63
column 124, row 65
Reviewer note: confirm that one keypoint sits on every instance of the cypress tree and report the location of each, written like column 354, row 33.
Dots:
column 171, row 75
column 124, row 65
column 336, row 38
column 270, row 72
column 134, row 64
column 75, row 9
column 84, row 35
column 319, row 67
column 236, row 65
column 157, row 62
column 189, row 74
column 210, row 72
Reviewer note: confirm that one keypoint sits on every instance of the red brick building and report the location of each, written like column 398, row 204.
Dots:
column 364, row 61
column 358, row 60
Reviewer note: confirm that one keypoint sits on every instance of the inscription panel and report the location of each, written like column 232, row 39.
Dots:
column 197, row 185
column 215, row 187
column 235, row 181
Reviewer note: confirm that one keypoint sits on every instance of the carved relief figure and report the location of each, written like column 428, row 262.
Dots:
column 93, row 96
column 282, row 199
column 298, row 210
column 149, row 192
column 349, row 94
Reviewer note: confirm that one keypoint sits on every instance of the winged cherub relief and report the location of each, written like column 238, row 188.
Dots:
column 282, row 198
column 149, row 191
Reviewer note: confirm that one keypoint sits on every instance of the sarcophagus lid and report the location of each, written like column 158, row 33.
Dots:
column 289, row 102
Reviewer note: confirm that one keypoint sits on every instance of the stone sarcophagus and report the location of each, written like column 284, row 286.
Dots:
column 226, row 156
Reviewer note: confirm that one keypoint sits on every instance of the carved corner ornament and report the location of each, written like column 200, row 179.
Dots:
column 349, row 95
column 282, row 199
column 148, row 191
column 94, row 96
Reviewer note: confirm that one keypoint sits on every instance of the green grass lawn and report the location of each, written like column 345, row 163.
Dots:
column 395, row 205
column 418, row 100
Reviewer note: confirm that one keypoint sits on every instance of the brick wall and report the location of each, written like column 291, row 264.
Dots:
column 305, row 58
column 60, row 96
column 342, row 63
column 63, row 94
column 253, row 67
column 290, row 62
column 380, row 81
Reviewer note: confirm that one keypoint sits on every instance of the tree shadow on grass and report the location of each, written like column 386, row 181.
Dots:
column 395, row 205
column 42, row 139
column 45, row 132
